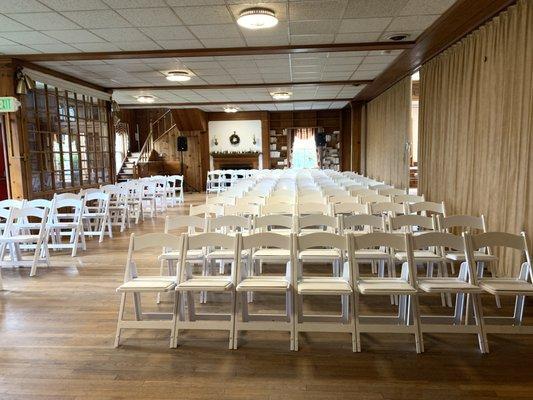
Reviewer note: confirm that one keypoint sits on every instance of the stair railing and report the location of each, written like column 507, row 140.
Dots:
column 158, row 128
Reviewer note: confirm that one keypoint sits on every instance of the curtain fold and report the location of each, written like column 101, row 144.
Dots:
column 476, row 125
column 388, row 132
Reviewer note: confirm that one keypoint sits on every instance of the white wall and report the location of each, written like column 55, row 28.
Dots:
column 246, row 130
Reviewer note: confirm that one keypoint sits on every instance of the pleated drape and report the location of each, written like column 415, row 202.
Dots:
column 388, row 132
column 476, row 125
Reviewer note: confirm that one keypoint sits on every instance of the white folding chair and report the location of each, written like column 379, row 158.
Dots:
column 65, row 220
column 96, row 217
column 248, row 282
column 426, row 208
column 462, row 285
column 25, row 229
column 118, row 206
column 307, row 285
column 189, row 283
column 518, row 286
column 136, row 285
column 407, row 320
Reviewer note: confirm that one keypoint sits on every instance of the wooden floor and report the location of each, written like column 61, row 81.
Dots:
column 57, row 331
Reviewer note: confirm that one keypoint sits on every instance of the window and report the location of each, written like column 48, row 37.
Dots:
column 68, row 140
column 304, row 150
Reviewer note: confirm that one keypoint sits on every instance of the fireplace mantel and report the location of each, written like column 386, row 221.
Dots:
column 236, row 160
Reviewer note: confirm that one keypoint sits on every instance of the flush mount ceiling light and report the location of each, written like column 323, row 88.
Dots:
column 146, row 99
column 257, row 18
column 231, row 109
column 398, row 37
column 178, row 76
column 281, row 95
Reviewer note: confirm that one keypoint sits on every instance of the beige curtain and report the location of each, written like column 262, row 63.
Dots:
column 388, row 130
column 476, row 125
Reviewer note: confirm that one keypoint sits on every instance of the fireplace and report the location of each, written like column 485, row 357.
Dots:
column 236, row 161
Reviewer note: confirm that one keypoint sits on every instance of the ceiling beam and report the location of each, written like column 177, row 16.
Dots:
column 245, row 85
column 224, row 103
column 227, row 51
column 36, row 67
column 462, row 18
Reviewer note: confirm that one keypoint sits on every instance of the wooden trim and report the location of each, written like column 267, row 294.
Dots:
column 227, row 51
column 461, row 19
column 23, row 63
column 220, row 103
column 244, row 85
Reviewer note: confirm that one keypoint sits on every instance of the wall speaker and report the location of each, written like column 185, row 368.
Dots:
column 182, row 143
column 320, row 139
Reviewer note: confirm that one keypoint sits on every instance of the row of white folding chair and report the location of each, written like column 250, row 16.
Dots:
column 295, row 284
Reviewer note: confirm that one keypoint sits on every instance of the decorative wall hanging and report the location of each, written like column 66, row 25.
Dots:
column 234, row 139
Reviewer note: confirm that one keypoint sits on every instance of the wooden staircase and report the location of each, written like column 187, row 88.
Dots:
column 127, row 171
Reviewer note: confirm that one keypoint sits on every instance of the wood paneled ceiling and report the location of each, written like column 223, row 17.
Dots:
column 89, row 40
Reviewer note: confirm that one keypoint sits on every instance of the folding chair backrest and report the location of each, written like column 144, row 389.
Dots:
column 97, row 195
column 349, row 208
column 151, row 240
column 317, row 220
column 281, row 199
column 407, row 198
column 243, row 209
column 206, row 210
column 426, row 208
column 386, row 208
column 19, row 217
column 278, row 208
column 321, row 240
column 312, row 208
column 12, row 203
column 234, row 223
column 312, row 198
column 362, row 191
column 373, row 198
column 266, row 240
column 466, row 223
column 274, row 220
column 346, row 198
column 191, row 222
column 67, row 196
column 409, row 223
column 256, row 200
column 39, row 203
column 391, row 191
column 363, row 223
column 210, row 239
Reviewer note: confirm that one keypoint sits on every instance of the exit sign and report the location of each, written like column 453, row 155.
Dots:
column 9, row 104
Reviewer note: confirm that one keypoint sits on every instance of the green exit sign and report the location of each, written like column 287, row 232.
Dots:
column 9, row 104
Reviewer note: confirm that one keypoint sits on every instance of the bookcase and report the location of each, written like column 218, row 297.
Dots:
column 328, row 121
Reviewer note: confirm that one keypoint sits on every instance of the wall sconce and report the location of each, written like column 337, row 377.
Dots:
column 24, row 83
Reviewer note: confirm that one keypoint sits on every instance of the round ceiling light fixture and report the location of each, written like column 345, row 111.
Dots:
column 257, row 18
column 178, row 76
column 281, row 95
column 146, row 99
column 231, row 109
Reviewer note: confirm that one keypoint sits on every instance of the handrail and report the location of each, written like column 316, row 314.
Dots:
column 158, row 128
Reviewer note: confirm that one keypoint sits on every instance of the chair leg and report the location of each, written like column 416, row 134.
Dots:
column 174, row 318
column 419, row 338
column 231, row 344
column 120, row 318
column 178, row 307
column 356, row 320
column 137, row 306
column 480, row 322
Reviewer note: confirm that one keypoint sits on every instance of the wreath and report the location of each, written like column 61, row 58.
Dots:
column 234, row 139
